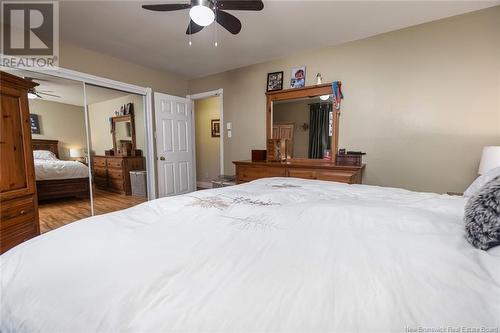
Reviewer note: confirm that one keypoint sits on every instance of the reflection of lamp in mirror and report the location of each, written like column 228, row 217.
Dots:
column 76, row 154
column 324, row 97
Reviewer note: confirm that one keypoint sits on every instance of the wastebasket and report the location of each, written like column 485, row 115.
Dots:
column 138, row 183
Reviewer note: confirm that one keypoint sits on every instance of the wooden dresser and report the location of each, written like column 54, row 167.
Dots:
column 19, row 209
column 111, row 173
column 301, row 168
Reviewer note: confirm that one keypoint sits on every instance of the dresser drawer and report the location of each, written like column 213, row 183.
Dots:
column 335, row 176
column 100, row 172
column 115, row 184
column 17, row 234
column 99, row 162
column 249, row 173
column 302, row 173
column 115, row 163
column 17, row 211
column 115, row 174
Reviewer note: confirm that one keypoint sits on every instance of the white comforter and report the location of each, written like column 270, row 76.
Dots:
column 277, row 254
column 57, row 169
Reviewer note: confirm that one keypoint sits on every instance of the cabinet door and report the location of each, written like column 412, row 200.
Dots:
column 16, row 157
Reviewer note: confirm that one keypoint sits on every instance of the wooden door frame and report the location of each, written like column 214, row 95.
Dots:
column 306, row 92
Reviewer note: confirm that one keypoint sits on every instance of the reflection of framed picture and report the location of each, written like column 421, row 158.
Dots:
column 274, row 81
column 298, row 77
column 35, row 125
column 215, row 128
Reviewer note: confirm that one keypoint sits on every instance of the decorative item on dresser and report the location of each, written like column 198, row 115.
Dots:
column 112, row 173
column 19, row 209
column 294, row 106
column 61, row 187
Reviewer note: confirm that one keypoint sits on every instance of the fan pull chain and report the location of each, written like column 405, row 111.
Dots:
column 215, row 24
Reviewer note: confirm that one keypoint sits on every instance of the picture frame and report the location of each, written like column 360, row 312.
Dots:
column 215, row 128
column 298, row 77
column 34, row 124
column 274, row 81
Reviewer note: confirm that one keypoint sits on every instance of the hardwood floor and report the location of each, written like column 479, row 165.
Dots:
column 56, row 213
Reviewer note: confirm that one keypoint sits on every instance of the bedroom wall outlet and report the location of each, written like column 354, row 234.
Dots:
column 229, row 134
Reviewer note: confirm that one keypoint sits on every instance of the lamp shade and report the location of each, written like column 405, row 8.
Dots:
column 489, row 159
column 75, row 152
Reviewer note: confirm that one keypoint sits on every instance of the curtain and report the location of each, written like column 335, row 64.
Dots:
column 319, row 138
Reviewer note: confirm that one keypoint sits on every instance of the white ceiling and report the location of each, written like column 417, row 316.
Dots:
column 69, row 91
column 157, row 39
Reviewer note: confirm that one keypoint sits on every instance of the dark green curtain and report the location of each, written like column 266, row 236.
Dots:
column 319, row 138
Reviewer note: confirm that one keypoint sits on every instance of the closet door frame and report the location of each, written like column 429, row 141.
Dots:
column 147, row 94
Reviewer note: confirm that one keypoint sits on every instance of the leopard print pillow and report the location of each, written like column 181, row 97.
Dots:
column 482, row 216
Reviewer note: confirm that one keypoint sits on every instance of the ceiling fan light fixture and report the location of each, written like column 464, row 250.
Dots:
column 202, row 14
column 324, row 97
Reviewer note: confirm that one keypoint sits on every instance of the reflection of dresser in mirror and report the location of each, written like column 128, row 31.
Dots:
column 112, row 172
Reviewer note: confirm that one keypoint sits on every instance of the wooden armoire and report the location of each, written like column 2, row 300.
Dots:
column 18, row 202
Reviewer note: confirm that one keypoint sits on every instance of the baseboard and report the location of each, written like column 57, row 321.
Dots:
column 201, row 184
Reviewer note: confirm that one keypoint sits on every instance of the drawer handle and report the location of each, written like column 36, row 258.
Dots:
column 23, row 212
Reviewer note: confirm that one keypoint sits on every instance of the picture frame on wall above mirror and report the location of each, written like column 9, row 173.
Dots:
column 298, row 77
column 274, row 81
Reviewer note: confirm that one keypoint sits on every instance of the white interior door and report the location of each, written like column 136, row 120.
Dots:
column 174, row 145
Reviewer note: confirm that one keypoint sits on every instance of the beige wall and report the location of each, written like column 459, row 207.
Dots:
column 207, row 148
column 421, row 101
column 63, row 122
column 91, row 62
column 99, row 114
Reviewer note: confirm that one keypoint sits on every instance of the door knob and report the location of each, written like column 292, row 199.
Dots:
column 162, row 158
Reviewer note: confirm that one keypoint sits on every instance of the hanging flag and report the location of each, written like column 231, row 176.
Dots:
column 337, row 94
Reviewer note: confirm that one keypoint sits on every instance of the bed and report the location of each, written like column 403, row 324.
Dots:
column 276, row 254
column 56, row 179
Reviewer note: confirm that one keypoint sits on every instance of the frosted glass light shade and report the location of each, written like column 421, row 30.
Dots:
column 202, row 15
column 489, row 159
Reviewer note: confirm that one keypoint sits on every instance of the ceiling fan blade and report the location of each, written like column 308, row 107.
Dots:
column 228, row 21
column 240, row 5
column 42, row 93
column 167, row 7
column 193, row 28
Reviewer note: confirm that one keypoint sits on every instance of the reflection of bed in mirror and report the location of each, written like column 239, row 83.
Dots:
column 56, row 179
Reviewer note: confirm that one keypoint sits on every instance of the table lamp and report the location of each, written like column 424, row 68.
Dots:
column 490, row 159
column 75, row 153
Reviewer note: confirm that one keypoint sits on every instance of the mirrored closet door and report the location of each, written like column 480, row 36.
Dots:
column 117, row 148
column 59, row 142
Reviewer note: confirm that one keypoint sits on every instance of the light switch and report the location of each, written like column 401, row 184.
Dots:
column 229, row 126
column 229, row 134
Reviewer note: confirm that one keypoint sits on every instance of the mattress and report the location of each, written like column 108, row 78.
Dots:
column 277, row 254
column 57, row 169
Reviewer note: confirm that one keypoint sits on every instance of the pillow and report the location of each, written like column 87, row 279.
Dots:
column 482, row 216
column 481, row 181
column 44, row 155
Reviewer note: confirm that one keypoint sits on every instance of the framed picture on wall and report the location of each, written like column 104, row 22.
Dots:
column 274, row 81
column 34, row 123
column 298, row 77
column 215, row 128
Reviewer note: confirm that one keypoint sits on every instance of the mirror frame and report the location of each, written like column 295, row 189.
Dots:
column 125, row 118
column 306, row 92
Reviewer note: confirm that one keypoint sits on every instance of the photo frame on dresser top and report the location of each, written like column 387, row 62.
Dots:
column 298, row 93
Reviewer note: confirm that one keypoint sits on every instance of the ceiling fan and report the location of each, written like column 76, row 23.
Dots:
column 204, row 12
column 35, row 93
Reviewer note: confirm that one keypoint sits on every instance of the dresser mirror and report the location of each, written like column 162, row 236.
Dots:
column 306, row 119
column 306, row 124
column 123, row 131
